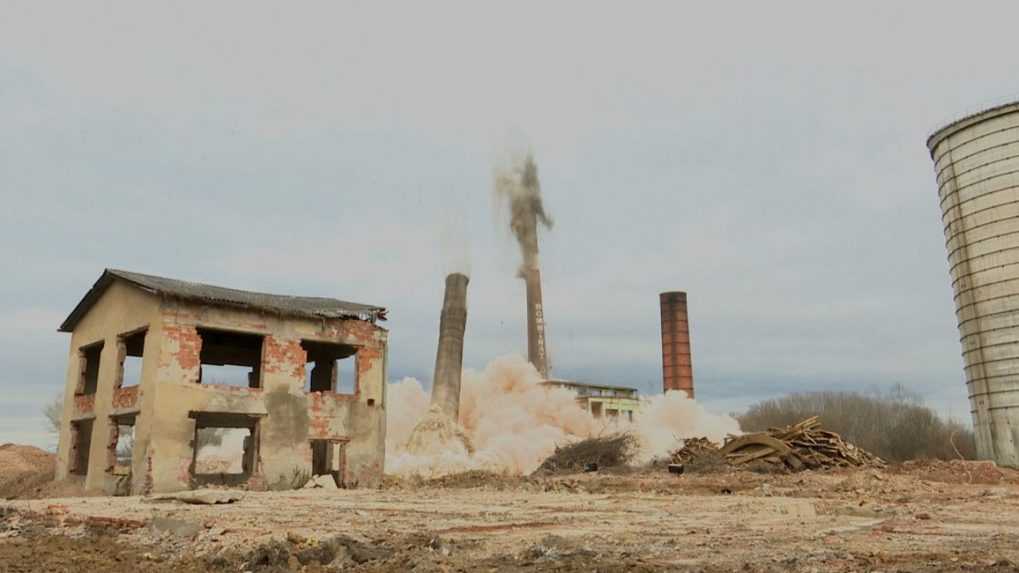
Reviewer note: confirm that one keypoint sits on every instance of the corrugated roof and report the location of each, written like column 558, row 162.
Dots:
column 303, row 306
column 586, row 384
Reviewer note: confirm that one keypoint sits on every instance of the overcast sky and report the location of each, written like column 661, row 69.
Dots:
column 766, row 157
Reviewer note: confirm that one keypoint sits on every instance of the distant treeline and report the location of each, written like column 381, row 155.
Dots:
column 895, row 425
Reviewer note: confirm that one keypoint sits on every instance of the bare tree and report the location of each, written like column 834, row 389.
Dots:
column 53, row 411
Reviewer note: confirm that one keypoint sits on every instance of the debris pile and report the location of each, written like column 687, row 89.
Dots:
column 591, row 454
column 694, row 449
column 437, row 432
column 801, row 446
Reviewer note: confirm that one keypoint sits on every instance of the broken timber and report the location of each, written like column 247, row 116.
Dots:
column 797, row 447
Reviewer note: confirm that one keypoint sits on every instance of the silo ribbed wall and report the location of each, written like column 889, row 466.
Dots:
column 976, row 160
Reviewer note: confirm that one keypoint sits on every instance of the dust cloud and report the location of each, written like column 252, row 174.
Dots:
column 513, row 423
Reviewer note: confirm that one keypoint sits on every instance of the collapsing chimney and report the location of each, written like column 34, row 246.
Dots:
column 677, row 365
column 520, row 186
column 450, row 353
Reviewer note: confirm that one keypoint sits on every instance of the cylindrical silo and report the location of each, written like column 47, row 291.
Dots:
column 976, row 160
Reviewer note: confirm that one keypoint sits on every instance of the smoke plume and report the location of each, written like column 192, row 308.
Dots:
column 518, row 185
column 513, row 423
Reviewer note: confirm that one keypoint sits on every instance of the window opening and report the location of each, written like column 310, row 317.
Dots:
column 130, row 350
column 225, row 448
column 330, row 367
column 328, row 457
column 88, row 359
column 121, row 444
column 230, row 358
column 81, row 443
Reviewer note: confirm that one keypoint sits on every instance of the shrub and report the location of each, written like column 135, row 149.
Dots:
column 602, row 451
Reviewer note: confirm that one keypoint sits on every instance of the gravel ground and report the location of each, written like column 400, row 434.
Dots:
column 919, row 517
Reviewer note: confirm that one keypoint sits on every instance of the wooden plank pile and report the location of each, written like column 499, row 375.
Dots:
column 693, row 449
column 800, row 446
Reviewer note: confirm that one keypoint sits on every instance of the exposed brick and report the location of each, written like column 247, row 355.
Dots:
column 125, row 397
column 322, row 408
column 283, row 356
column 366, row 357
column 85, row 404
column 189, row 346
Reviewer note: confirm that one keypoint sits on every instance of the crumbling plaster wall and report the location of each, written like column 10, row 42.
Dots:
column 120, row 310
column 290, row 417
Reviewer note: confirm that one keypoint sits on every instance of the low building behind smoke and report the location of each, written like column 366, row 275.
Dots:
column 170, row 360
column 602, row 401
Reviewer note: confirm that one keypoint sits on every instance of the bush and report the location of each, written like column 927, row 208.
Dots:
column 894, row 425
column 602, row 451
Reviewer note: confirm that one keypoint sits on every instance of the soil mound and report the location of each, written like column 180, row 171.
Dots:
column 24, row 469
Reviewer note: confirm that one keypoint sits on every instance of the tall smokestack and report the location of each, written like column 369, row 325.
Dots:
column 450, row 353
column 521, row 187
column 677, row 365
column 536, row 351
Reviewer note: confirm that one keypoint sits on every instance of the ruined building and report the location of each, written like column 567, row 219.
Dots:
column 295, row 384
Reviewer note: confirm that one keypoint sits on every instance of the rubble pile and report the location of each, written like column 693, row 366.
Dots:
column 694, row 449
column 804, row 445
column 437, row 432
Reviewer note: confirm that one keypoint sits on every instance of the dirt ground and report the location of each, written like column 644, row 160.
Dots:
column 917, row 517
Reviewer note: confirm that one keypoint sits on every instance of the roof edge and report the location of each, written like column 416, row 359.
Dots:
column 86, row 302
column 588, row 384
column 965, row 121
column 367, row 313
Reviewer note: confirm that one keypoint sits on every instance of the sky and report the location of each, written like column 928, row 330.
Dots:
column 767, row 158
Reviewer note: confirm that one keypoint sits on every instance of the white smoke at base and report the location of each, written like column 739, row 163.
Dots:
column 514, row 423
